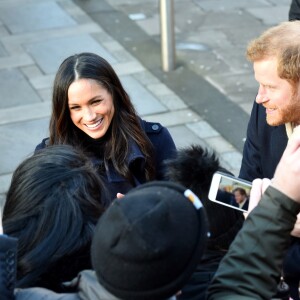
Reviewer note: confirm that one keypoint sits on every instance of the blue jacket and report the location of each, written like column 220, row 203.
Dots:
column 263, row 147
column 164, row 148
column 8, row 257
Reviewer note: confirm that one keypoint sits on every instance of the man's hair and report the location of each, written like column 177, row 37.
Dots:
column 283, row 43
column 240, row 190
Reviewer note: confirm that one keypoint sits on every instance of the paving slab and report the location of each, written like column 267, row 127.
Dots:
column 4, row 185
column 50, row 53
column 128, row 68
column 169, row 100
column 202, row 129
column 22, row 113
column 18, row 140
column 287, row 3
column 3, row 31
column 2, row 200
column 42, row 81
column 150, row 25
column 232, row 159
column 94, row 6
column 143, row 100
column 15, row 89
column 35, row 16
column 233, row 5
column 183, row 137
column 14, row 61
column 145, row 77
column 173, row 118
column 203, row 63
column 219, row 144
column 2, row 50
column 228, row 20
column 274, row 16
column 239, row 86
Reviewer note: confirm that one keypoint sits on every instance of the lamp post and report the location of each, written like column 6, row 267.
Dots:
column 167, row 35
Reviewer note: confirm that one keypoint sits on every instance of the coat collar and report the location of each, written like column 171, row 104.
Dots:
column 135, row 153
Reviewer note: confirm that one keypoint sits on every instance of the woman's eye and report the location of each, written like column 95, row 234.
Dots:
column 97, row 101
column 74, row 108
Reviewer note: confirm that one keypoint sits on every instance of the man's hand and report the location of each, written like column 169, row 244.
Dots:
column 296, row 231
column 258, row 188
column 287, row 174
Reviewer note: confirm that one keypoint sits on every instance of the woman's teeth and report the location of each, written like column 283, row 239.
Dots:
column 93, row 125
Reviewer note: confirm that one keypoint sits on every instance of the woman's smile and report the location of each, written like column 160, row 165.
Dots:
column 95, row 125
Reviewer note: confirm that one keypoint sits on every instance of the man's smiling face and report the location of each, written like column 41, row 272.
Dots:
column 276, row 94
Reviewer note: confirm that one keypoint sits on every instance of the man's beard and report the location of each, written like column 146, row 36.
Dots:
column 288, row 114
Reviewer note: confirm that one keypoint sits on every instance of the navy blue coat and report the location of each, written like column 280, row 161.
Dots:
column 164, row 148
column 263, row 147
column 8, row 268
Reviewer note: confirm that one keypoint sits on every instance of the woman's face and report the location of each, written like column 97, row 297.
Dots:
column 91, row 107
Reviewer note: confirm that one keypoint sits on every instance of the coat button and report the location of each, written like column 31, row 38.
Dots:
column 155, row 127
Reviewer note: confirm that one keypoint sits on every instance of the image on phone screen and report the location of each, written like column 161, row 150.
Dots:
column 230, row 191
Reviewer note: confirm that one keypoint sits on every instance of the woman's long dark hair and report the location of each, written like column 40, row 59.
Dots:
column 52, row 205
column 125, row 125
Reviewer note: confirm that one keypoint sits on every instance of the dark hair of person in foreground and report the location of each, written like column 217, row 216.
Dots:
column 52, row 205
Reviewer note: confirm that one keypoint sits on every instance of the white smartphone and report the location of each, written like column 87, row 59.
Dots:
column 230, row 191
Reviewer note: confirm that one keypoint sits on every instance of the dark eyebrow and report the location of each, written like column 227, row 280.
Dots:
column 90, row 100
column 99, row 97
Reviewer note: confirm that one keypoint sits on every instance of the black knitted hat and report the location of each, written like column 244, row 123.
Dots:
column 147, row 244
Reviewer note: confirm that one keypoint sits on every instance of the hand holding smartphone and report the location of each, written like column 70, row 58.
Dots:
column 230, row 191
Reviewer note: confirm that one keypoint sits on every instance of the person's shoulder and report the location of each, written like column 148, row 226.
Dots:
column 6, row 242
column 43, row 144
column 158, row 135
column 37, row 293
column 151, row 127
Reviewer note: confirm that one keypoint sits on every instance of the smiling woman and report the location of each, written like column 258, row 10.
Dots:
column 91, row 110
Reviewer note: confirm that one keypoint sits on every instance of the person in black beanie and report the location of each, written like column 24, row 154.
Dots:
column 194, row 167
column 147, row 244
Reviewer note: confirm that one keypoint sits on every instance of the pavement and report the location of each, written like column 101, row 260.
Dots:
column 205, row 100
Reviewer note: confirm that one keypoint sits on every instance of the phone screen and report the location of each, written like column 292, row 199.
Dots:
column 230, row 191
